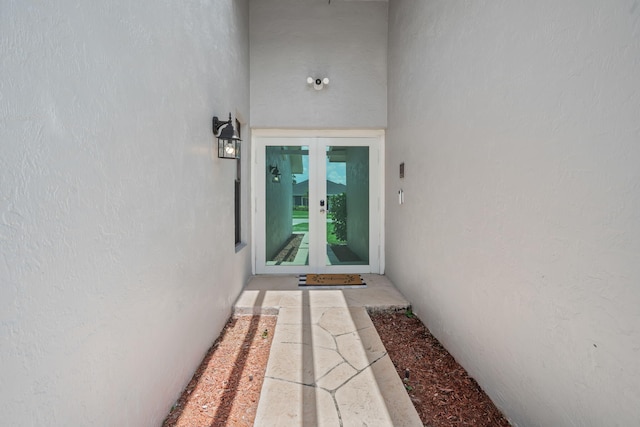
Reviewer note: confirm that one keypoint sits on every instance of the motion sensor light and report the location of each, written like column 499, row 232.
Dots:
column 318, row 84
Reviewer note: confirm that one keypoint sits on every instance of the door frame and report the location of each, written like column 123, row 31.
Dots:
column 376, row 206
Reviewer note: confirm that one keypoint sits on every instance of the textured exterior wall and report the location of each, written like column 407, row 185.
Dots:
column 117, row 265
column 519, row 242
column 344, row 41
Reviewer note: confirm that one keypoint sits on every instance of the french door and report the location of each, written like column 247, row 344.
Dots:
column 317, row 204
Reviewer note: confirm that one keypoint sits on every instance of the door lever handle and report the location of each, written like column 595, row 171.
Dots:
column 321, row 210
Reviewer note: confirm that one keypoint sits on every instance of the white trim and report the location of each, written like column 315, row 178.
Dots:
column 319, row 133
column 376, row 183
column 381, row 203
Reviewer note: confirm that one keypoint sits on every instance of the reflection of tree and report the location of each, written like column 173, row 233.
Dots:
column 339, row 213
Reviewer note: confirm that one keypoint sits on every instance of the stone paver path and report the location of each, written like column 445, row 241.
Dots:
column 327, row 365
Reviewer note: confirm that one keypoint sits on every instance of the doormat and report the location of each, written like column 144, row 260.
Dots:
column 335, row 281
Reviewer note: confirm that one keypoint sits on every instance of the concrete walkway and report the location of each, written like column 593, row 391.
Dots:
column 327, row 365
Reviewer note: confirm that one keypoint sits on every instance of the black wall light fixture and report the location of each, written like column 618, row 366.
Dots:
column 275, row 173
column 228, row 140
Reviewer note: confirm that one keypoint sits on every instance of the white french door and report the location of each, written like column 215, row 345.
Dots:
column 318, row 202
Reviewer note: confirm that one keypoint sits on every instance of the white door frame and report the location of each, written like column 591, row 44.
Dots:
column 377, row 262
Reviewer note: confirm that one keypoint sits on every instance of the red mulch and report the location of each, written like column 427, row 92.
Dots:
column 226, row 387
column 441, row 390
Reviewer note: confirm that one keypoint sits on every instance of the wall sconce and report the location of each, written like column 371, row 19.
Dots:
column 275, row 173
column 228, row 140
column 318, row 84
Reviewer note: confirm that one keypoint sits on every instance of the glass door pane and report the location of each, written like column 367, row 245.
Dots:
column 287, row 206
column 347, row 218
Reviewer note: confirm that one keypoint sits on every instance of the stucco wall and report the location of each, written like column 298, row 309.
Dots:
column 342, row 40
column 519, row 242
column 117, row 263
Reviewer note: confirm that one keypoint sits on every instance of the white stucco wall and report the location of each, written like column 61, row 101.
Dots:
column 519, row 242
column 117, row 265
column 342, row 40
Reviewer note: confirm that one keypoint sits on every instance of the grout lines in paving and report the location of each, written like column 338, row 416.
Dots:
column 327, row 365
column 331, row 358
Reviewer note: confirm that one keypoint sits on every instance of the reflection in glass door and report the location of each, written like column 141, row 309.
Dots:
column 287, row 205
column 347, row 213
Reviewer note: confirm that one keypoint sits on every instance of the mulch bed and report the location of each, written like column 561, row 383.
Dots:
column 225, row 389
column 344, row 254
column 289, row 250
column 441, row 390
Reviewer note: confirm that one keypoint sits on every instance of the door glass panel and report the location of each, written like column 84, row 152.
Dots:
column 347, row 218
column 287, row 205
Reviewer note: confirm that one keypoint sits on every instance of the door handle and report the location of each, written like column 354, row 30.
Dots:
column 321, row 210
